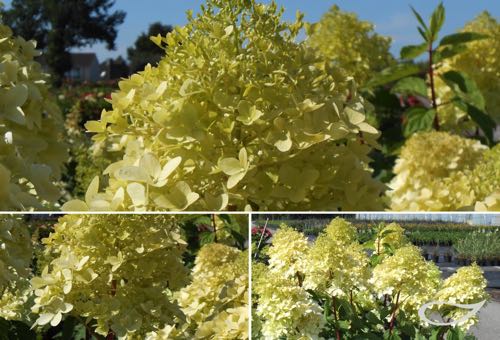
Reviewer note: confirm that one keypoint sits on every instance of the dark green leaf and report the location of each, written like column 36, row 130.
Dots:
column 437, row 20
column 413, row 51
column 423, row 34
column 410, row 85
column 425, row 29
column 461, row 37
column 418, row 119
column 482, row 119
column 464, row 87
column 448, row 51
column 207, row 237
column 393, row 73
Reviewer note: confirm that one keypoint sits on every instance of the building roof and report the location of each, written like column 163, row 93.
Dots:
column 83, row 59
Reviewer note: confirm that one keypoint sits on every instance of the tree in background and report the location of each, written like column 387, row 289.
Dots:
column 144, row 51
column 59, row 26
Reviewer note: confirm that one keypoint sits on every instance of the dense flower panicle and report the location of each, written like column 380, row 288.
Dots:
column 485, row 178
column 391, row 235
column 216, row 301
column 433, row 171
column 236, row 115
column 341, row 231
column 286, row 309
column 481, row 62
column 408, row 275
column 466, row 286
column 350, row 44
column 32, row 153
column 336, row 268
column 119, row 270
column 289, row 247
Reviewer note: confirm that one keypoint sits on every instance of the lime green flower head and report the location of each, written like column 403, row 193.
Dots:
column 341, row 230
column 286, row 309
column 215, row 303
column 351, row 44
column 466, row 286
column 408, row 278
column 486, row 175
column 391, row 235
column 120, row 270
column 336, row 268
column 433, row 171
column 237, row 115
column 32, row 153
column 287, row 252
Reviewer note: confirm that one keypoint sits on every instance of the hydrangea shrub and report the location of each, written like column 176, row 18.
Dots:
column 32, row 153
column 237, row 115
column 351, row 44
column 339, row 282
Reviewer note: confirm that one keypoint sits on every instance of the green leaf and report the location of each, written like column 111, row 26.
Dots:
column 448, row 51
column 437, row 21
column 411, row 85
column 418, row 119
column 424, row 31
column 464, row 87
column 461, row 38
column 393, row 73
column 207, row 237
column 413, row 51
column 481, row 118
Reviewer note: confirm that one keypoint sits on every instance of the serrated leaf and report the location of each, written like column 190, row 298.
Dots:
column 418, row 119
column 411, row 85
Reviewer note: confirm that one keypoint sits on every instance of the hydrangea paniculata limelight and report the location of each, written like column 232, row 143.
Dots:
column 433, row 171
column 391, row 235
column 335, row 267
column 287, row 252
column 406, row 274
column 486, row 181
column 350, row 44
column 237, row 115
column 32, row 153
column 216, row 301
column 466, row 286
column 287, row 310
column 119, row 270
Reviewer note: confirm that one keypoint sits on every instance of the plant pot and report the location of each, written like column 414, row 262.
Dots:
column 447, row 258
column 435, row 258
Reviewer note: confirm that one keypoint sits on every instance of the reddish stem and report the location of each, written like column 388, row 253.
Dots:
column 215, row 228
column 393, row 317
column 337, row 331
column 433, row 89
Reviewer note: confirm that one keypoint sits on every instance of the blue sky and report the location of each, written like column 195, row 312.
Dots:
column 391, row 17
